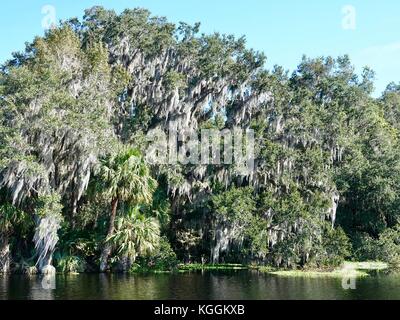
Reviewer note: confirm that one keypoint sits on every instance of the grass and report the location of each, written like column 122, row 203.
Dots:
column 211, row 267
column 320, row 274
column 182, row 268
column 146, row 270
column 349, row 269
column 368, row 265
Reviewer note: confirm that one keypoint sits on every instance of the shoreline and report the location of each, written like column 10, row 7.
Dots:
column 348, row 269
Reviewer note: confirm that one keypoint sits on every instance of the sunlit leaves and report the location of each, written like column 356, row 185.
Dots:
column 135, row 234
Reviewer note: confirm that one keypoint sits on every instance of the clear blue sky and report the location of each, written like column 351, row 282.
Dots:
column 283, row 29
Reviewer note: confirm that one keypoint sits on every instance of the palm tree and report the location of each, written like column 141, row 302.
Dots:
column 135, row 235
column 124, row 177
column 9, row 217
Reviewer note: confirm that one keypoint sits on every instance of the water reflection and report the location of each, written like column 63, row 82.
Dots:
column 238, row 285
column 40, row 289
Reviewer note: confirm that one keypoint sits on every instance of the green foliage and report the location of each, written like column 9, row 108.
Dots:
column 135, row 234
column 49, row 205
column 386, row 248
column 10, row 217
column 125, row 176
column 69, row 264
column 211, row 267
column 389, row 242
column 163, row 259
column 161, row 208
column 334, row 249
column 174, row 80
column 235, row 204
column 77, row 250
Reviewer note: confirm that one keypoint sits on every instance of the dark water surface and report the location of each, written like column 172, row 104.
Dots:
column 238, row 285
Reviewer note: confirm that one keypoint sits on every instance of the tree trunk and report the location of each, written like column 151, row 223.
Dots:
column 46, row 261
column 5, row 258
column 107, row 246
column 126, row 264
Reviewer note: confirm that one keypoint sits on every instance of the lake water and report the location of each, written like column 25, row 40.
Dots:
column 234, row 285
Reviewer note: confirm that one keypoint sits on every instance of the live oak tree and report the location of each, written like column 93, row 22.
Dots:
column 56, row 103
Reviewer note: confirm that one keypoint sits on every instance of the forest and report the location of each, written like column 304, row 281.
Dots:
column 76, row 190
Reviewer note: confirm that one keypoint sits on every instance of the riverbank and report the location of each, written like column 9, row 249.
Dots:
column 348, row 269
column 211, row 267
column 357, row 269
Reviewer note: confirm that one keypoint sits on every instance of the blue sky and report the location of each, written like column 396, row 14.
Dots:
column 283, row 29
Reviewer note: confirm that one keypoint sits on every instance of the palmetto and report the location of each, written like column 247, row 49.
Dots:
column 124, row 177
column 135, row 234
column 9, row 218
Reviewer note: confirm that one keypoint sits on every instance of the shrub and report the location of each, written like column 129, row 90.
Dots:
column 163, row 259
column 365, row 247
column 389, row 246
column 386, row 248
column 69, row 264
column 334, row 249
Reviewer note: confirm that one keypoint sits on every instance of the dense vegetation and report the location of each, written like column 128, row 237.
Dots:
column 77, row 192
